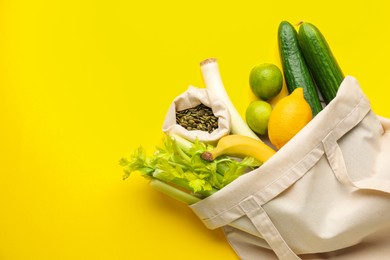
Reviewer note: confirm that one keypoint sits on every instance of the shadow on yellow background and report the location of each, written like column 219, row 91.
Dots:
column 84, row 83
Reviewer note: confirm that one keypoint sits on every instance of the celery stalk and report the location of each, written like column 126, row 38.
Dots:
column 182, row 183
column 173, row 192
column 182, row 143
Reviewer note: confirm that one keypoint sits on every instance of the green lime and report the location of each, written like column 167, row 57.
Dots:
column 266, row 80
column 257, row 116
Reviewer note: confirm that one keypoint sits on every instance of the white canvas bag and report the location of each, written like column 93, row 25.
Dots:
column 324, row 195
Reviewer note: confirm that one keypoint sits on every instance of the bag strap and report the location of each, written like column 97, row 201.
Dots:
column 335, row 155
column 260, row 219
column 337, row 163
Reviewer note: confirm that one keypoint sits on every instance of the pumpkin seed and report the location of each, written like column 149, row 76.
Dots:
column 200, row 117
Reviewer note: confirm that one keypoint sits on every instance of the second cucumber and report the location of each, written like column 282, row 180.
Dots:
column 323, row 66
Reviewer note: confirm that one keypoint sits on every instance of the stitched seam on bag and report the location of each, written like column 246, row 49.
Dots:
column 330, row 142
column 352, row 112
column 292, row 170
column 249, row 204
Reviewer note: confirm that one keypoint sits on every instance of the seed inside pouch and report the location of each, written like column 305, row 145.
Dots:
column 200, row 117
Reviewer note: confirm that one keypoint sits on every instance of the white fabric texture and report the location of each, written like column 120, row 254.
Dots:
column 193, row 97
column 324, row 195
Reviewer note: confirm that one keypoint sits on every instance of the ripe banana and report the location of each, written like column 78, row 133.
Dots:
column 240, row 146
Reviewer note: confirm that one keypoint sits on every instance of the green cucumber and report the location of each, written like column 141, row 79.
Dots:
column 323, row 66
column 296, row 72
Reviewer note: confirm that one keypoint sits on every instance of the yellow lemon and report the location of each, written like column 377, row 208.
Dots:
column 288, row 117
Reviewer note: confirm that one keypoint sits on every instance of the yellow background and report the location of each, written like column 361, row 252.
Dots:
column 84, row 83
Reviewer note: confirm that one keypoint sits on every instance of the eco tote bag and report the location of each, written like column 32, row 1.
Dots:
column 324, row 195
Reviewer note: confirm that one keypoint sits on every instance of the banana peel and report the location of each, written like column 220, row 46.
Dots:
column 239, row 146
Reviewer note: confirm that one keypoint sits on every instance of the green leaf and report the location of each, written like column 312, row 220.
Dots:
column 137, row 162
column 199, row 185
column 251, row 162
column 237, row 168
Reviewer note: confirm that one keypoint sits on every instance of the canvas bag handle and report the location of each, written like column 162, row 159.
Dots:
column 260, row 219
column 336, row 159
